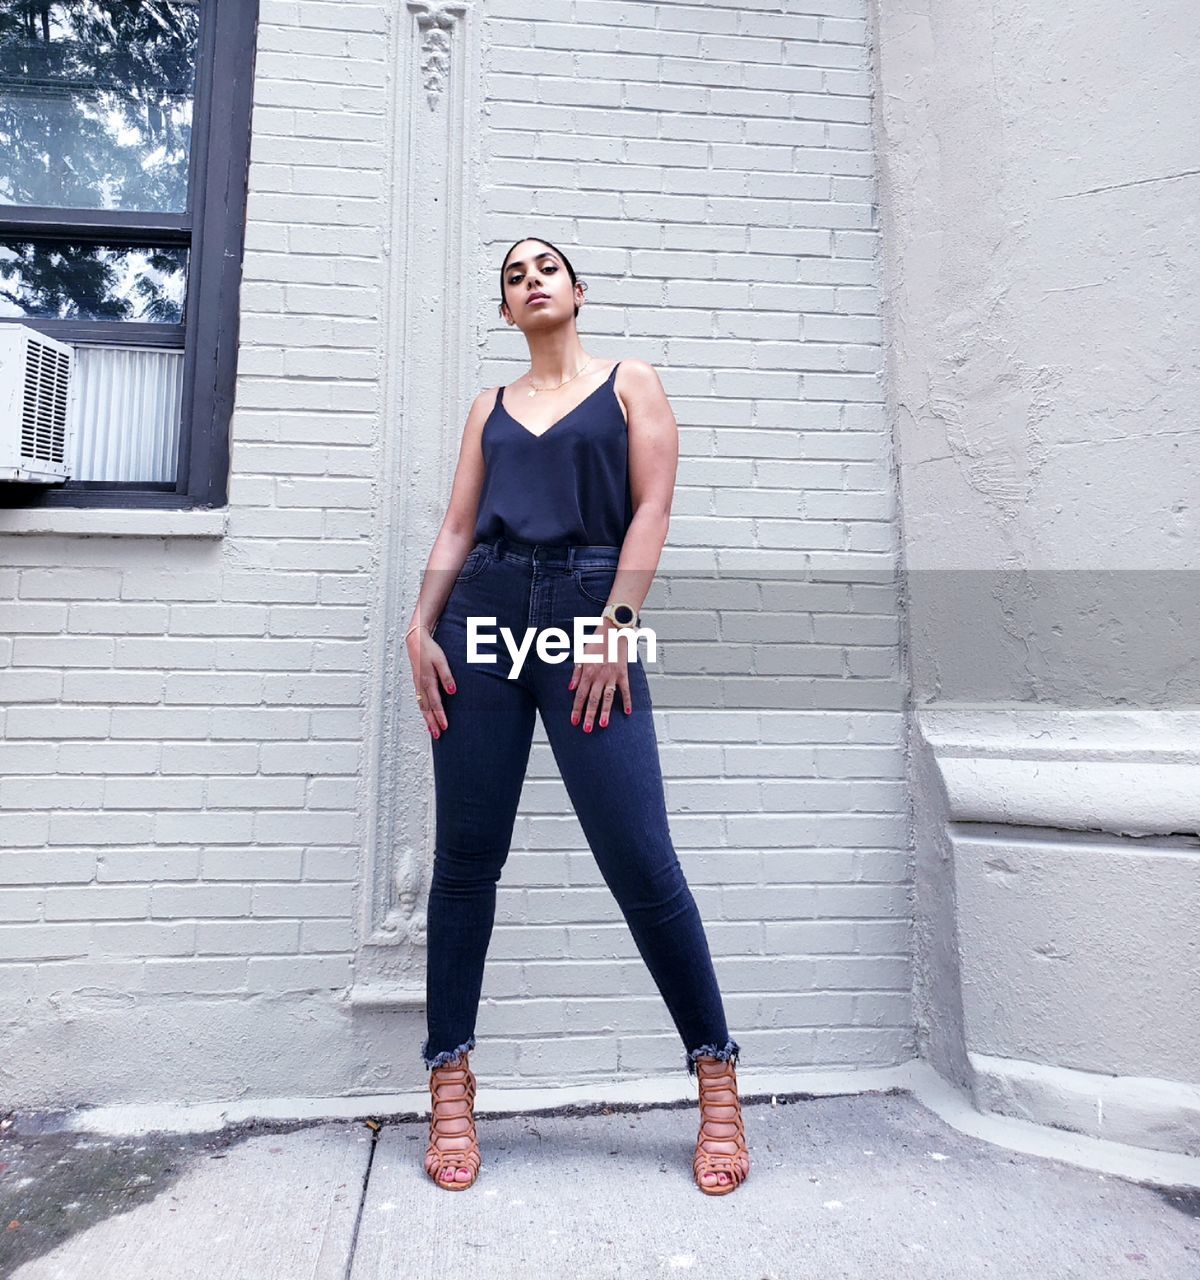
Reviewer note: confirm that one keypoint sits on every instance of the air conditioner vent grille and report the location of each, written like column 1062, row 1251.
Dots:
column 44, row 420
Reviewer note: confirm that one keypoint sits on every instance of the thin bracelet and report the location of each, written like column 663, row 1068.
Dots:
column 414, row 627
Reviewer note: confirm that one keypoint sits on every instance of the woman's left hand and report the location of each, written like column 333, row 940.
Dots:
column 596, row 683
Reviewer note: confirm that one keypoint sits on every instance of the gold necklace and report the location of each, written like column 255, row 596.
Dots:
column 563, row 383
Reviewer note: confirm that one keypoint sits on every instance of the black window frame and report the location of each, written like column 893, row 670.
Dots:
column 213, row 231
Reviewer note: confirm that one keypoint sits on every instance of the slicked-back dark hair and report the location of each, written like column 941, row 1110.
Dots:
column 565, row 261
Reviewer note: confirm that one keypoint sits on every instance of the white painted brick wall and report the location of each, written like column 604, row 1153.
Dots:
column 182, row 732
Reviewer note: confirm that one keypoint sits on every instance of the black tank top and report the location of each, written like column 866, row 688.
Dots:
column 570, row 484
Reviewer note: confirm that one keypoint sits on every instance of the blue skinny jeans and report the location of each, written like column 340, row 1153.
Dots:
column 612, row 775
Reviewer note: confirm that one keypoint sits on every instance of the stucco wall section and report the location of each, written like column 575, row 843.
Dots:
column 1038, row 186
column 1039, row 177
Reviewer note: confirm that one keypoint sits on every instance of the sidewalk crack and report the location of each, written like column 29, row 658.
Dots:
column 376, row 1127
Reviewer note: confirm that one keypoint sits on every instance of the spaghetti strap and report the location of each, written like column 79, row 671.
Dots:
column 499, row 396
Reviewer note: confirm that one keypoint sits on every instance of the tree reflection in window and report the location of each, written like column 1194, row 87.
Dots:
column 62, row 281
column 96, row 103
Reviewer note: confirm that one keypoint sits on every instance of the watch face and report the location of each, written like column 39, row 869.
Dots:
column 624, row 614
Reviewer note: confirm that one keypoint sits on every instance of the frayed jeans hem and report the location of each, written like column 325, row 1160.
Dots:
column 447, row 1056
column 729, row 1053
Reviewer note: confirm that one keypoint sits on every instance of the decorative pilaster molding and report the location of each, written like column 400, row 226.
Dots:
column 436, row 23
column 428, row 367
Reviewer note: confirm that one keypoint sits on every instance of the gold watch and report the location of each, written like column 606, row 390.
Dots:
column 621, row 615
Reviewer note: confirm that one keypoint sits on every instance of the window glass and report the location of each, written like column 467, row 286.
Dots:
column 96, row 103
column 57, row 280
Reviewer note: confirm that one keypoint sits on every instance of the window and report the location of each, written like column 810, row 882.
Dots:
column 124, row 145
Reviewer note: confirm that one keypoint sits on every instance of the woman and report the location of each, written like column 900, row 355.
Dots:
column 556, row 514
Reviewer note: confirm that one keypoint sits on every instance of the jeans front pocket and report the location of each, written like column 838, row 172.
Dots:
column 475, row 563
column 596, row 582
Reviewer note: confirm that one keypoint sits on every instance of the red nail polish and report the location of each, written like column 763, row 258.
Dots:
column 604, row 723
column 453, row 689
column 587, row 728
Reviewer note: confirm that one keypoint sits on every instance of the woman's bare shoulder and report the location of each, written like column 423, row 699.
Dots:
column 481, row 406
column 635, row 372
column 486, row 396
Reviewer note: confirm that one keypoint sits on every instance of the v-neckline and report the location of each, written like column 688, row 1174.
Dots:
column 538, row 435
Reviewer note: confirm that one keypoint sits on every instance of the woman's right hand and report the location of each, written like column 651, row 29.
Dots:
column 430, row 672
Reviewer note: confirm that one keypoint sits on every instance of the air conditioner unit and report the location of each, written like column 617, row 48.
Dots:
column 35, row 390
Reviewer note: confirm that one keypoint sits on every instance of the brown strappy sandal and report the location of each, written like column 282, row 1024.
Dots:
column 720, row 1149
column 452, row 1140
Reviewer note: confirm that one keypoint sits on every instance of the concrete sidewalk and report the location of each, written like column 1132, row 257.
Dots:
column 864, row 1187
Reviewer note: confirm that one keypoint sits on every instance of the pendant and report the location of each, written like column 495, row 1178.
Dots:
column 532, row 394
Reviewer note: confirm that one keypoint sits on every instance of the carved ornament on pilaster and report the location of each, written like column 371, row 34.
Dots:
column 435, row 22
